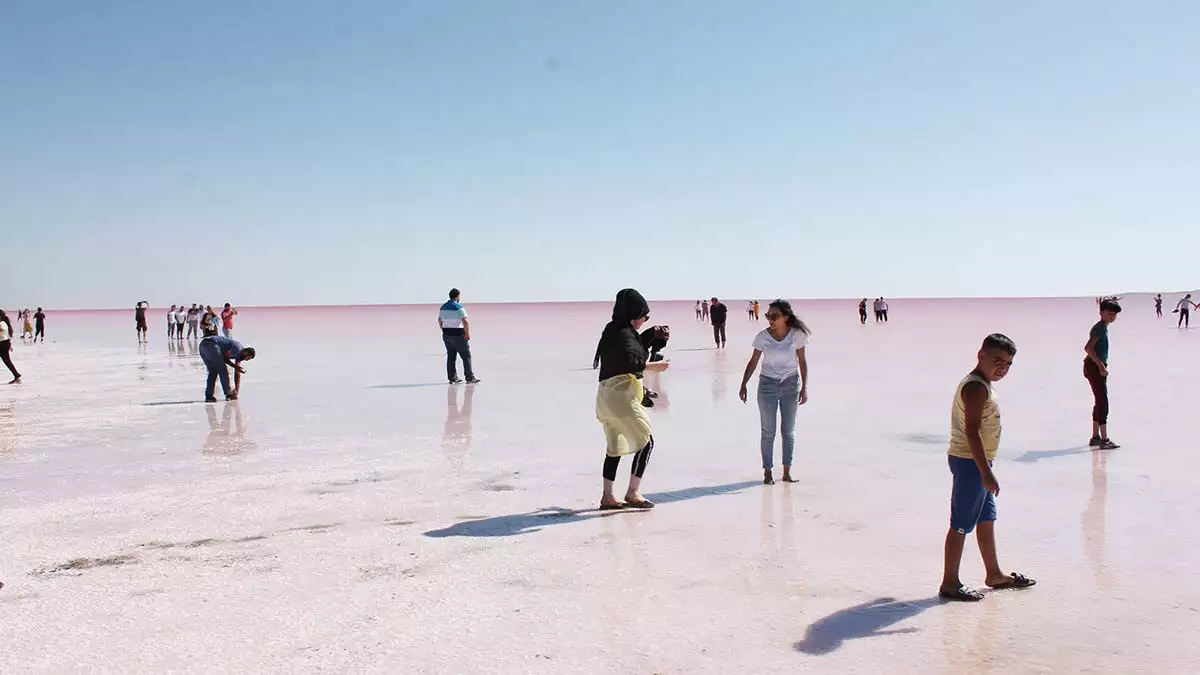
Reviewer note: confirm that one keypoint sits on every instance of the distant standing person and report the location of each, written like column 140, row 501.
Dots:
column 862, row 312
column 875, row 307
column 750, row 310
column 456, row 336
column 227, row 315
column 180, row 322
column 974, row 443
column 699, row 314
column 193, row 321
column 883, row 309
column 756, row 310
column 1184, row 307
column 1158, row 305
column 171, row 323
column 1095, row 371
column 781, row 388
column 26, row 324
column 719, row 313
column 704, row 309
column 139, row 318
column 619, row 397
column 6, row 337
column 219, row 354
column 39, row 326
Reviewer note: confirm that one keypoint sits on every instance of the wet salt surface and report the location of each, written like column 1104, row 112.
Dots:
column 354, row 514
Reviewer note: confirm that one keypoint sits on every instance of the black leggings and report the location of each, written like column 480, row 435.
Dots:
column 719, row 333
column 1184, row 319
column 640, row 459
column 1099, row 384
column 4, row 347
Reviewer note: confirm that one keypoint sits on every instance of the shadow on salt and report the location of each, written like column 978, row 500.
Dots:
column 869, row 619
column 533, row 521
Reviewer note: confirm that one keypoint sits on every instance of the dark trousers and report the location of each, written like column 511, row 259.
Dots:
column 5, row 347
column 883, row 313
column 210, row 354
column 719, row 333
column 862, row 316
column 456, row 346
column 1184, row 319
column 1099, row 383
column 39, row 331
column 640, row 459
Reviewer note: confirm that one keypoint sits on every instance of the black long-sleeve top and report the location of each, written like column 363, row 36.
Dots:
column 622, row 351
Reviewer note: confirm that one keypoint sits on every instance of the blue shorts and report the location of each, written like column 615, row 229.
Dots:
column 970, row 502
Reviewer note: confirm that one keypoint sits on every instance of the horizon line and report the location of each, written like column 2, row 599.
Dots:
column 573, row 302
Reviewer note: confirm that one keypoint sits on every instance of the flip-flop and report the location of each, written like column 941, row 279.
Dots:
column 643, row 504
column 1107, row 444
column 612, row 507
column 1018, row 581
column 789, row 479
column 961, row 594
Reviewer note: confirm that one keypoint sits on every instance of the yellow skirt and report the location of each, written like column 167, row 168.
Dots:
column 619, row 409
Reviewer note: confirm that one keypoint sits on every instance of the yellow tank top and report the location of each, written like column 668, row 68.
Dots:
column 989, row 428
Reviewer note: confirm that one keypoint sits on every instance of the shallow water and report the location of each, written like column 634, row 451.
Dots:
column 353, row 513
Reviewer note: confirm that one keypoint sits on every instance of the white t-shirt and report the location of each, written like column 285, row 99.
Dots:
column 180, row 316
column 4, row 332
column 779, row 357
column 883, row 305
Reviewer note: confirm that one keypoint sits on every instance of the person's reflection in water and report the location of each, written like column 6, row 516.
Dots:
column 227, row 437
column 654, row 383
column 191, row 348
column 456, row 438
column 1093, row 518
column 144, row 365
column 8, row 429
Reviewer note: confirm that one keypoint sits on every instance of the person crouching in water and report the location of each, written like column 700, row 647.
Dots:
column 220, row 353
column 622, row 359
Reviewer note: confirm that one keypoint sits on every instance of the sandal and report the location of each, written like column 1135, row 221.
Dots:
column 1018, row 581
column 1107, row 444
column 961, row 594
column 618, row 506
column 640, row 504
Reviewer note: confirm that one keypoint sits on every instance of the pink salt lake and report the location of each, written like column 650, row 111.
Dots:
column 353, row 513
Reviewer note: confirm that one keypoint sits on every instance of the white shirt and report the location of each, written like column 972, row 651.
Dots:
column 4, row 332
column 883, row 305
column 779, row 357
column 1184, row 304
column 180, row 316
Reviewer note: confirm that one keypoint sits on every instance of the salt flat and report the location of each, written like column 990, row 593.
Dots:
column 353, row 513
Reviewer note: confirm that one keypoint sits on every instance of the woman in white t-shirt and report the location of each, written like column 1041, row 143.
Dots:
column 781, row 389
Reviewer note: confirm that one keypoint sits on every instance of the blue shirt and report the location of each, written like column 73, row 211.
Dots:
column 451, row 315
column 230, row 349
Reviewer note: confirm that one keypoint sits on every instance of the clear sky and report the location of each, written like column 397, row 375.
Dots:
column 340, row 152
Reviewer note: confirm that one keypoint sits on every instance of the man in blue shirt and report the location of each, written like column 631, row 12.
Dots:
column 220, row 353
column 456, row 335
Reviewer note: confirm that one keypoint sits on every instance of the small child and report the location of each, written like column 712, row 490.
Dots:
column 1095, row 371
column 974, row 442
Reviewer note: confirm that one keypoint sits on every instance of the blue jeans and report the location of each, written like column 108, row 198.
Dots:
column 457, row 345
column 783, row 397
column 211, row 355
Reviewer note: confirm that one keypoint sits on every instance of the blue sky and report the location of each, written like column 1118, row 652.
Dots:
column 297, row 152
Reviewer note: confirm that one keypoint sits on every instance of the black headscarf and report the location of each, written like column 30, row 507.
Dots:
column 629, row 307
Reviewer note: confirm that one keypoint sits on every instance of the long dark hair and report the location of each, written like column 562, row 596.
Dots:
column 785, row 308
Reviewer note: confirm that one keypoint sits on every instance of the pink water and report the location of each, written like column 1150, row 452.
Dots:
column 354, row 514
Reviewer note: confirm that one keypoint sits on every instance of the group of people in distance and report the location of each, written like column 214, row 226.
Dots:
column 33, row 325
column 881, row 310
column 199, row 321
column 780, row 350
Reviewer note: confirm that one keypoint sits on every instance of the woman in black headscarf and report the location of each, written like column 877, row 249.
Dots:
column 622, row 360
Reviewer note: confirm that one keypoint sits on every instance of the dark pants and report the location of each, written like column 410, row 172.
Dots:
column 210, row 354
column 719, row 333
column 1184, row 319
column 862, row 316
column 4, row 356
column 1099, row 384
column 39, row 331
column 640, row 459
column 883, row 313
column 457, row 345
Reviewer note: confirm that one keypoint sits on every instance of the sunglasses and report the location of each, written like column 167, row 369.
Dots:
column 771, row 316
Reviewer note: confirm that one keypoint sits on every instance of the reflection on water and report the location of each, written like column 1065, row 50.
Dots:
column 1092, row 524
column 227, row 436
column 8, row 429
column 456, row 436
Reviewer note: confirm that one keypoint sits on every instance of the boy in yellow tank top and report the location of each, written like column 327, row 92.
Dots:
column 974, row 442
